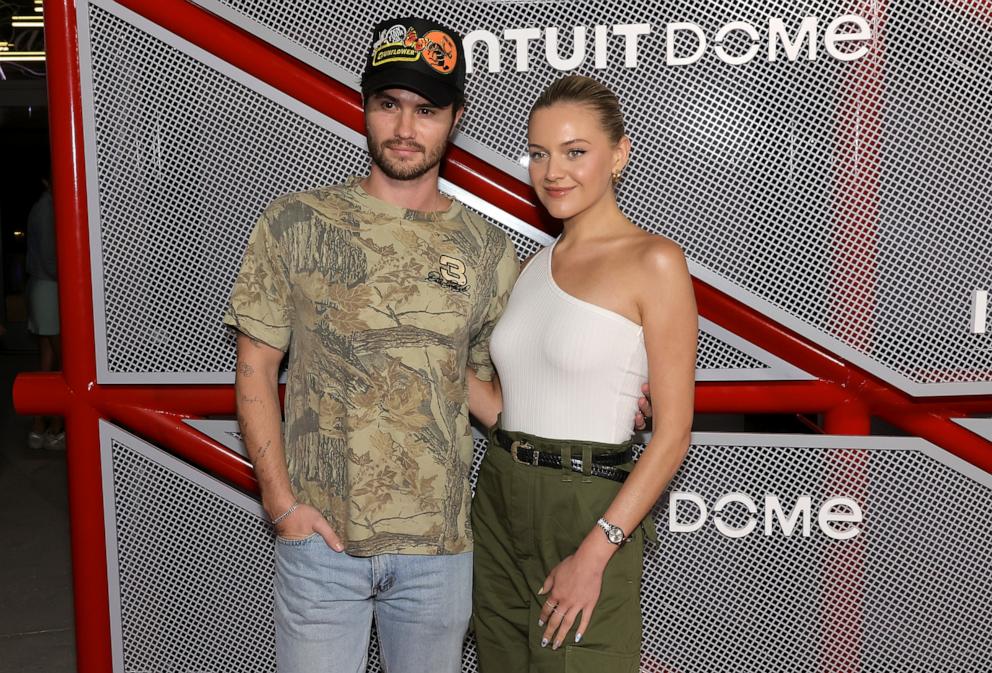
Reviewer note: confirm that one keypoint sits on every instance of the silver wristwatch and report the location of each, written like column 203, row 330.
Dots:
column 614, row 534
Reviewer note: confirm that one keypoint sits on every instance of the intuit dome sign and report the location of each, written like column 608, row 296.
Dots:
column 844, row 38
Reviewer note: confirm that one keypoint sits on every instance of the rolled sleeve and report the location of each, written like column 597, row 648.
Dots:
column 260, row 304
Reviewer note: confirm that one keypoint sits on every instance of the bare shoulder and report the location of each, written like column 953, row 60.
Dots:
column 660, row 257
column 664, row 290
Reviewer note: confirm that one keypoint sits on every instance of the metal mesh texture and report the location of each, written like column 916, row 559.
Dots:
column 195, row 573
column 909, row 593
column 187, row 159
column 854, row 197
column 713, row 353
column 906, row 594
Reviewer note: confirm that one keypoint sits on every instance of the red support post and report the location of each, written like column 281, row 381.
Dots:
column 850, row 417
column 89, row 561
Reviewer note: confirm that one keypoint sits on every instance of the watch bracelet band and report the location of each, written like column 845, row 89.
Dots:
column 607, row 526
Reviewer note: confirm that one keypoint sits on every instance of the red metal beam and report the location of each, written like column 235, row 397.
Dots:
column 850, row 417
column 324, row 94
column 48, row 394
column 768, row 397
column 89, row 561
column 170, row 432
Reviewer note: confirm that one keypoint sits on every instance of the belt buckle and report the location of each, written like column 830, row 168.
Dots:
column 524, row 445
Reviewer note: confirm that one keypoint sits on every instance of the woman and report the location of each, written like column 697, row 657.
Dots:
column 559, row 525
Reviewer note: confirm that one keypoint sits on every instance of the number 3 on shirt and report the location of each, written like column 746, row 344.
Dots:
column 453, row 270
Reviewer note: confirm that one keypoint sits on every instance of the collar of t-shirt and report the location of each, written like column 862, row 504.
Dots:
column 378, row 205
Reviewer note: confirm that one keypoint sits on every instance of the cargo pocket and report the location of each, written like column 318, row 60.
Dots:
column 649, row 529
column 631, row 557
column 579, row 659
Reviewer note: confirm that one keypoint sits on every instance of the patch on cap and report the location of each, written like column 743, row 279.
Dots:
column 400, row 44
column 415, row 54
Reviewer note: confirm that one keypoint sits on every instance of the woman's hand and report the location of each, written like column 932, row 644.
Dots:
column 573, row 587
column 644, row 410
column 485, row 398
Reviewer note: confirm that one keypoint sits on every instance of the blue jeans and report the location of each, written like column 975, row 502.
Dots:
column 325, row 600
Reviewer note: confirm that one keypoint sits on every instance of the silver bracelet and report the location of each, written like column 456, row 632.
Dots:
column 289, row 511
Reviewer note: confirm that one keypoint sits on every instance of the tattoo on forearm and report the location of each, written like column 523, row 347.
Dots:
column 245, row 369
column 250, row 400
column 262, row 451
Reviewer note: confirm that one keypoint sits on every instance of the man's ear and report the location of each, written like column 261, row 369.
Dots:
column 454, row 122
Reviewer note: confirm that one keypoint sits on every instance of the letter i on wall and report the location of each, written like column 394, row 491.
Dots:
column 979, row 311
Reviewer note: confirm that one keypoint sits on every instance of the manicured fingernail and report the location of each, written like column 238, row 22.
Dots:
column 544, row 642
column 578, row 637
column 540, row 622
column 556, row 645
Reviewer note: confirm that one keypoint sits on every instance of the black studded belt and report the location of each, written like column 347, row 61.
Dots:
column 602, row 465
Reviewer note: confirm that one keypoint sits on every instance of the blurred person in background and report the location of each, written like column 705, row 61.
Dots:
column 43, row 308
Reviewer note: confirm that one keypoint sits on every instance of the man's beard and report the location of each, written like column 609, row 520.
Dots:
column 405, row 170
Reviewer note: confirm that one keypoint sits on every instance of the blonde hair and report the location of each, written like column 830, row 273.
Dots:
column 585, row 91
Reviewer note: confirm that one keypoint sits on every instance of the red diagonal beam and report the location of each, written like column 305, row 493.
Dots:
column 925, row 418
column 324, row 94
column 170, row 432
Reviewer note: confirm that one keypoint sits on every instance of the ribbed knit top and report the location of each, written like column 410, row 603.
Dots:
column 569, row 369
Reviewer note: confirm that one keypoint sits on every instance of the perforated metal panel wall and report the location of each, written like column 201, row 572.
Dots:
column 849, row 200
column 906, row 594
column 186, row 160
column 715, row 354
column 186, row 153
column 191, row 564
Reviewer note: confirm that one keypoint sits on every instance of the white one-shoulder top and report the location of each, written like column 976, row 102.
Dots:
column 569, row 369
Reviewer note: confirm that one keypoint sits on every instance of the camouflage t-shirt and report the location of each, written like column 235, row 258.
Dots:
column 381, row 309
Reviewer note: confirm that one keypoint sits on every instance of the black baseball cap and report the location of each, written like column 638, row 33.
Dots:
column 416, row 54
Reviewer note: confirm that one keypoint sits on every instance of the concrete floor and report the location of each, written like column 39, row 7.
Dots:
column 36, row 619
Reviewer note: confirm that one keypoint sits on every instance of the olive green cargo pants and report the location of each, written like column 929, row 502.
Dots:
column 526, row 519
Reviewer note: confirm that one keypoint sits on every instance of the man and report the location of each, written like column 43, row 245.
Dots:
column 386, row 290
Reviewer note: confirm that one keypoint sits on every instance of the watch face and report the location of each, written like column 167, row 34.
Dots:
column 615, row 535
